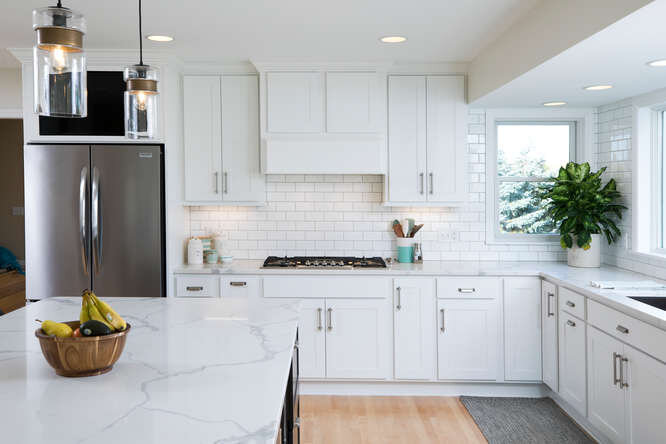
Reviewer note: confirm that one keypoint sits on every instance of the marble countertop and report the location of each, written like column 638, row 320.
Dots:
column 193, row 371
column 576, row 279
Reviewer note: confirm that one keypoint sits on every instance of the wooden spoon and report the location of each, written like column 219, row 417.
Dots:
column 415, row 230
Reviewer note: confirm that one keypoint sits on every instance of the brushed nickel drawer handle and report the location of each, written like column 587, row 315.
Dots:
column 623, row 383
column 622, row 329
column 238, row 283
column 466, row 290
column 194, row 288
column 571, row 323
column 442, row 328
column 571, row 304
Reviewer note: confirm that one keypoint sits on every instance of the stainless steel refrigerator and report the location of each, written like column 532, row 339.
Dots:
column 94, row 218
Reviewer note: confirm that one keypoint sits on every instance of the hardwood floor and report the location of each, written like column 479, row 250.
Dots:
column 382, row 419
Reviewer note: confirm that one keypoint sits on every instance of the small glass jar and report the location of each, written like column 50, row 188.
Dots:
column 60, row 87
column 141, row 102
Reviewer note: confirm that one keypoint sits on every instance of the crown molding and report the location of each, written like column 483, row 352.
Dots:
column 107, row 57
column 281, row 65
column 216, row 68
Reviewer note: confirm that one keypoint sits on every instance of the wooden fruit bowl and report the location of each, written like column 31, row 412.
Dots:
column 83, row 356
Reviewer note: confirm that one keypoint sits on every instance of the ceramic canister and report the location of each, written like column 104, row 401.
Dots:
column 405, row 249
column 195, row 251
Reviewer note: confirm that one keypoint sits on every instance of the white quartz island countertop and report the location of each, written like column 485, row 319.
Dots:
column 193, row 371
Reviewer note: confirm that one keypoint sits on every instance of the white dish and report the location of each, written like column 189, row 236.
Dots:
column 226, row 259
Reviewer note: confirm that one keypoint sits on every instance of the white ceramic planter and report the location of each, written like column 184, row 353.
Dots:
column 591, row 258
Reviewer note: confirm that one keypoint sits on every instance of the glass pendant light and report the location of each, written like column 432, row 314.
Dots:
column 141, row 96
column 59, row 62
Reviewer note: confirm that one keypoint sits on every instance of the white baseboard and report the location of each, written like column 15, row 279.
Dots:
column 378, row 388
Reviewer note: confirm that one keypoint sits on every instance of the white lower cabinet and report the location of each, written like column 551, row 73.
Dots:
column 646, row 397
column 356, row 338
column 312, row 339
column 572, row 356
column 606, row 397
column 467, row 343
column 414, row 328
column 549, row 327
column 522, row 329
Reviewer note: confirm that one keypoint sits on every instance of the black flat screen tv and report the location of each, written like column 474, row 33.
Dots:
column 106, row 91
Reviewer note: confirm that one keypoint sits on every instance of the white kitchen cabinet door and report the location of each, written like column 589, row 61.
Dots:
column 522, row 329
column 407, row 138
column 202, row 138
column 572, row 357
column 646, row 397
column 312, row 339
column 352, row 102
column 446, row 138
column 414, row 328
column 549, row 327
column 606, row 405
column 242, row 180
column 467, row 344
column 294, row 102
column 358, row 333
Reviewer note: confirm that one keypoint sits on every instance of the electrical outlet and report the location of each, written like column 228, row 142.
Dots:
column 448, row 236
column 18, row 211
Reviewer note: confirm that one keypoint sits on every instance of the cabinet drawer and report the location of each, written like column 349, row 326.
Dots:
column 241, row 286
column 572, row 302
column 327, row 287
column 644, row 337
column 468, row 288
column 197, row 287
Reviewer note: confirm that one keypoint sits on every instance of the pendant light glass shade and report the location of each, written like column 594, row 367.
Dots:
column 141, row 102
column 59, row 62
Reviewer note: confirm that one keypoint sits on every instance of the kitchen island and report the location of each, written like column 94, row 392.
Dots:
column 193, row 371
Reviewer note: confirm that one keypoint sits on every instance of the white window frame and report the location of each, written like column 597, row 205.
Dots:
column 583, row 139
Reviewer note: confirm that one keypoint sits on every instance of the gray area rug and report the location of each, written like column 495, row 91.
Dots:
column 523, row 420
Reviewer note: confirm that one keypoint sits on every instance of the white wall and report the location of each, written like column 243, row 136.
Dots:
column 343, row 215
column 10, row 90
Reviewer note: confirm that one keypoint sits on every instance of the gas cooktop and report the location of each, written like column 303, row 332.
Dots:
column 318, row 262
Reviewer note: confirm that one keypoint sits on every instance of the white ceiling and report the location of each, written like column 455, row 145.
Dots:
column 240, row 30
column 616, row 55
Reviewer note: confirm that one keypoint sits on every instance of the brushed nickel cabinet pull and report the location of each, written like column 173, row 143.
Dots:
column 422, row 182
column 398, row 306
column 622, row 329
column 571, row 323
column 319, row 324
column 442, row 328
column 226, row 184
column 466, row 290
column 217, row 190
column 623, row 383
column 616, row 356
column 432, row 183
column 550, row 295
column 571, row 304
column 194, row 288
column 330, row 319
column 238, row 283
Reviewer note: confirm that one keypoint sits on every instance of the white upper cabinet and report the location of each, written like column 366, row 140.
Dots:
column 221, row 135
column 294, row 102
column 407, row 138
column 522, row 329
column 352, row 102
column 241, row 175
column 203, row 138
column 427, row 131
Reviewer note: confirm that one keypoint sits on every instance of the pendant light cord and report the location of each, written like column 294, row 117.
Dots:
column 59, row 3
column 140, row 37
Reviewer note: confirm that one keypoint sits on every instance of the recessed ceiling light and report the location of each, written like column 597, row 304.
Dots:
column 597, row 87
column 657, row 63
column 393, row 39
column 554, row 103
column 160, row 38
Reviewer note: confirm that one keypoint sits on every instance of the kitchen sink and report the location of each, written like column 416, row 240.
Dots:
column 655, row 301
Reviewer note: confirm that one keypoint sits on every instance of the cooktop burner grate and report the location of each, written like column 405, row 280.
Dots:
column 324, row 262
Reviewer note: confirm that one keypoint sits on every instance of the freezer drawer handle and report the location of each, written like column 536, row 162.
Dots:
column 194, row 288
column 238, row 283
column 622, row 329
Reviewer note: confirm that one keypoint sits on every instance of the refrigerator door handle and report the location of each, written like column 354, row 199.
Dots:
column 96, row 225
column 83, row 228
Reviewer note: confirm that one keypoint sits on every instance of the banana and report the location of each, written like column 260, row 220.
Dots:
column 84, row 316
column 95, row 314
column 108, row 313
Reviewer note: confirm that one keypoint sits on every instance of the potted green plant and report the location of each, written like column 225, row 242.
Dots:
column 582, row 209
